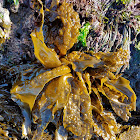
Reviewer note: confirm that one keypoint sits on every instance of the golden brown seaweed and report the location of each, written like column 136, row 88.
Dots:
column 105, row 125
column 113, row 60
column 37, row 5
column 78, row 111
column 65, row 35
column 124, row 99
column 31, row 88
column 47, row 56
column 53, row 98
column 80, row 61
column 70, row 95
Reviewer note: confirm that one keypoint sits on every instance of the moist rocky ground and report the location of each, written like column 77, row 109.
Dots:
column 18, row 49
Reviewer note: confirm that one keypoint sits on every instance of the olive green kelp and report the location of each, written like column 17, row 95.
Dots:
column 71, row 93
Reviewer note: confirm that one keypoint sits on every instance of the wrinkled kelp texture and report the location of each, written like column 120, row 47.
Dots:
column 72, row 90
column 61, row 27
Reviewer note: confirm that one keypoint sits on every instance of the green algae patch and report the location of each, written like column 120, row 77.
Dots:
column 84, row 31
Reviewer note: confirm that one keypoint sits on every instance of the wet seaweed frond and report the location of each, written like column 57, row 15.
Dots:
column 61, row 28
column 131, row 132
column 71, row 92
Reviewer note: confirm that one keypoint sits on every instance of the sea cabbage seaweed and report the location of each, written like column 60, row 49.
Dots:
column 72, row 90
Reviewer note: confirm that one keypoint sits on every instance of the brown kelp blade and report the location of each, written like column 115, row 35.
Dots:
column 126, row 100
column 56, row 93
column 53, row 99
column 80, row 61
column 96, row 100
column 47, row 56
column 27, row 93
column 78, row 111
column 69, row 32
column 105, row 125
column 120, row 95
column 113, row 60
column 62, row 26
column 122, row 85
column 38, row 28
